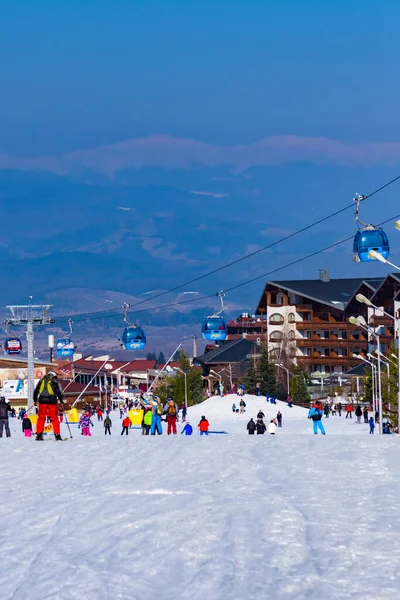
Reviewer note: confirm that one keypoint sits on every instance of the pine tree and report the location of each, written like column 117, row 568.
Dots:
column 390, row 387
column 266, row 374
column 161, row 359
column 368, row 386
column 251, row 377
column 184, row 361
column 300, row 393
column 151, row 356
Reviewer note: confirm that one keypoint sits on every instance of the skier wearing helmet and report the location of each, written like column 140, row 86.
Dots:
column 48, row 393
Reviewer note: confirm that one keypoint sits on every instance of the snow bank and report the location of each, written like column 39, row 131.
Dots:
column 231, row 517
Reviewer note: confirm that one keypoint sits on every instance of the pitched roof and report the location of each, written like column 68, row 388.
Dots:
column 336, row 292
column 73, row 388
column 231, row 352
column 357, row 370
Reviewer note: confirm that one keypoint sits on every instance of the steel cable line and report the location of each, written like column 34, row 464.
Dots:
column 236, row 261
column 244, row 283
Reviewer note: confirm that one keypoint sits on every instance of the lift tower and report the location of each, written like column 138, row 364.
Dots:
column 30, row 315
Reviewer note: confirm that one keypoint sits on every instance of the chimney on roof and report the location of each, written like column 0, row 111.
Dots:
column 324, row 275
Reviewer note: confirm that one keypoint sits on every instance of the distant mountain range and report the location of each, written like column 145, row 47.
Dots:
column 156, row 219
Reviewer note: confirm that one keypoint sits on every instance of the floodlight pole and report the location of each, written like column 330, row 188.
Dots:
column 30, row 315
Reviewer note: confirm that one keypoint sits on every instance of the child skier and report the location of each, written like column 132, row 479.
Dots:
column 107, row 425
column 126, row 423
column 147, row 419
column 371, row 425
column 85, row 423
column 27, row 426
column 188, row 429
column 203, row 426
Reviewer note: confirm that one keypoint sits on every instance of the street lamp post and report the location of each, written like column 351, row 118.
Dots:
column 185, row 376
column 360, row 323
column 396, row 320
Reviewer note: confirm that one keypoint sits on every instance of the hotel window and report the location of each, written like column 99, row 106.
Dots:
column 277, row 319
column 276, row 336
column 291, row 318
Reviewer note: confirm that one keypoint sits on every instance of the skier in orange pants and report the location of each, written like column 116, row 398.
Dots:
column 48, row 393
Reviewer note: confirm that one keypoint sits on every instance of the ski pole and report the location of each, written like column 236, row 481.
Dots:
column 66, row 421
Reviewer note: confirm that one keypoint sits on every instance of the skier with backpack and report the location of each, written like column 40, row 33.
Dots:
column 48, row 394
column 315, row 414
column 107, row 425
column 156, row 425
column 171, row 411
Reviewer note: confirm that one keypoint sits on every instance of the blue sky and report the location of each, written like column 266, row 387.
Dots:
column 78, row 74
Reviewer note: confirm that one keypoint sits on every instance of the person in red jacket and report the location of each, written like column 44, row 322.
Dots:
column 349, row 411
column 126, row 423
column 203, row 426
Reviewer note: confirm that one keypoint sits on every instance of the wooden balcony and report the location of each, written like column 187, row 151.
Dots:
column 329, row 343
column 325, row 360
column 375, row 321
column 318, row 324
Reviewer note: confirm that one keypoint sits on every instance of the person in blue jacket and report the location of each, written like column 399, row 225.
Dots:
column 315, row 414
column 188, row 429
column 371, row 424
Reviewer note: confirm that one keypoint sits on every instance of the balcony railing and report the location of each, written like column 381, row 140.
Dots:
column 314, row 324
column 342, row 360
column 308, row 342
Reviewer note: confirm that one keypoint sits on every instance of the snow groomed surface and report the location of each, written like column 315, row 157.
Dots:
column 292, row 516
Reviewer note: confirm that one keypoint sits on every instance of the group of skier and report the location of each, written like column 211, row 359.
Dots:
column 259, row 426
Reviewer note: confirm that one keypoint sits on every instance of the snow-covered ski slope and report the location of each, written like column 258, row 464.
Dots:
column 295, row 516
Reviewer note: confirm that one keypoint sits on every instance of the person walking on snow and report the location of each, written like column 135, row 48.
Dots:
column 203, row 426
column 27, row 426
column 147, row 419
column 260, row 427
column 171, row 411
column 107, row 425
column 126, row 423
column 99, row 413
column 5, row 408
column 315, row 414
column 84, row 424
column 260, row 415
column 156, row 424
column 349, row 411
column 371, row 425
column 242, row 405
column 251, row 427
column 188, row 429
column 358, row 413
column 47, row 394
column 327, row 410
column 279, row 418
column 365, row 413
column 271, row 427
